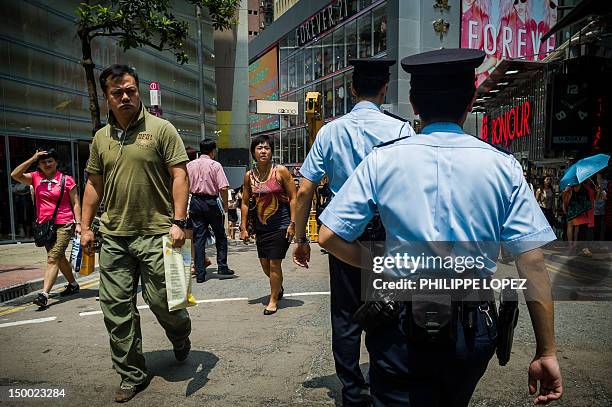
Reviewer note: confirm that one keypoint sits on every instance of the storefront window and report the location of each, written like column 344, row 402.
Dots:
column 365, row 35
column 339, row 53
column 292, row 119
column 328, row 99
column 328, row 55
column 308, row 64
column 299, row 66
column 380, row 29
column 301, row 113
column 364, row 3
column 292, row 73
column 339, row 94
column 291, row 144
column 283, row 77
column 350, row 99
column 278, row 149
column 351, row 7
column 318, row 59
column 299, row 136
column 351, row 40
column 283, row 49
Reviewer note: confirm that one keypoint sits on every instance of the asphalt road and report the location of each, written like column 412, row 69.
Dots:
column 242, row 358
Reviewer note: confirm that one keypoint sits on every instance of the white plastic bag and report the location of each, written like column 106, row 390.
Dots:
column 210, row 237
column 76, row 253
column 177, row 266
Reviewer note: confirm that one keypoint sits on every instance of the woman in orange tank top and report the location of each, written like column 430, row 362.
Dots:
column 273, row 191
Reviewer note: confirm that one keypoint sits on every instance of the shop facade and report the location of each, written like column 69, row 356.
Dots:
column 308, row 50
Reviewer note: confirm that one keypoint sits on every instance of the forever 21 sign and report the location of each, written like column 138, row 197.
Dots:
column 325, row 19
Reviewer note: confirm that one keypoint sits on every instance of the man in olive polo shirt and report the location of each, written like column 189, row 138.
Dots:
column 137, row 165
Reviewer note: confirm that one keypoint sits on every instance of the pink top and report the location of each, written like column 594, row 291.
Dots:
column 47, row 193
column 206, row 176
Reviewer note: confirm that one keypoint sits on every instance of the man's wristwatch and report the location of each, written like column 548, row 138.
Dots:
column 303, row 240
column 181, row 223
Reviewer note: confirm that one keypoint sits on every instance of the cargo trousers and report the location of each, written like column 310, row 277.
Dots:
column 124, row 260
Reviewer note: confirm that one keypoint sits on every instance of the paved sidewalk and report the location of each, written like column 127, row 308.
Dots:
column 20, row 263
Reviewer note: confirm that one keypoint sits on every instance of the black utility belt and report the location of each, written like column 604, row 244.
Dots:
column 204, row 196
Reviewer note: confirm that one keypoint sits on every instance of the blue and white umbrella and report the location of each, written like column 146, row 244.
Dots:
column 583, row 169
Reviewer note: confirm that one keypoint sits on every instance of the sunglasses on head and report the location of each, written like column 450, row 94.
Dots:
column 552, row 5
column 517, row 1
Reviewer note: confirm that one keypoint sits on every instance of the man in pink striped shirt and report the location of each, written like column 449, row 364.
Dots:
column 207, row 181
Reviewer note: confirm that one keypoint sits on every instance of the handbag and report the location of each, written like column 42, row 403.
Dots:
column 252, row 211
column 579, row 203
column 45, row 233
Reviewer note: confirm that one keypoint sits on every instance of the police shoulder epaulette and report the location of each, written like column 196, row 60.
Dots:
column 495, row 146
column 388, row 113
column 387, row 143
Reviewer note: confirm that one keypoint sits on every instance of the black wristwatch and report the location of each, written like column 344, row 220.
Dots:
column 181, row 223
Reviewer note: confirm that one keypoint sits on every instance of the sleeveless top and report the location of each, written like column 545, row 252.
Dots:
column 273, row 212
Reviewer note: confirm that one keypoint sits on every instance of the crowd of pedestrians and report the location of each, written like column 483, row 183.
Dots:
column 151, row 189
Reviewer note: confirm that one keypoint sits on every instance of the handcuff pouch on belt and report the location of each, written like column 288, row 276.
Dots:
column 431, row 319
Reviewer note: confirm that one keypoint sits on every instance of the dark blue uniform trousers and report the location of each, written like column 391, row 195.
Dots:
column 204, row 212
column 409, row 375
column 345, row 286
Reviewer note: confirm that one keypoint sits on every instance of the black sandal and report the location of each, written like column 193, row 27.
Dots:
column 269, row 312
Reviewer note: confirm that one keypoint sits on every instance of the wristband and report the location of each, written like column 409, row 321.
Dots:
column 303, row 240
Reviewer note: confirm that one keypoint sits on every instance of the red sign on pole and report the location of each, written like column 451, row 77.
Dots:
column 154, row 86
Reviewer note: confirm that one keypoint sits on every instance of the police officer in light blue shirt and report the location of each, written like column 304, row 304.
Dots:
column 337, row 150
column 438, row 186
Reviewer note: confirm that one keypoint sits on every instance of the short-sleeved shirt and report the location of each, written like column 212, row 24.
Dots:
column 441, row 186
column 135, row 171
column 46, row 194
column 343, row 143
column 206, row 176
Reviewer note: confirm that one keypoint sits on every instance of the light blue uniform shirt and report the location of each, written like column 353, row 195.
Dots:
column 441, row 186
column 343, row 143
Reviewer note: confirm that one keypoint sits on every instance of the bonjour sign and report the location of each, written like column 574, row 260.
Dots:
column 504, row 128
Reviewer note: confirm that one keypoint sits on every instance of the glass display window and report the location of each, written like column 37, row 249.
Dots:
column 308, row 64
column 317, row 56
column 339, row 49
column 328, row 55
column 380, row 29
column 328, row 99
column 364, row 24
column 339, row 95
column 351, row 40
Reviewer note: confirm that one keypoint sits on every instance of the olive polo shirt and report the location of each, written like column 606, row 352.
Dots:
column 134, row 168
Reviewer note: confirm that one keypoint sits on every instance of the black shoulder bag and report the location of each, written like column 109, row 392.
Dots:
column 45, row 233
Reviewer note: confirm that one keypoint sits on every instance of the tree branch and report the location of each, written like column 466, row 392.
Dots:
column 122, row 34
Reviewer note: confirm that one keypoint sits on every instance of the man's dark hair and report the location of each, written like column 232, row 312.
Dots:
column 116, row 71
column 207, row 146
column 450, row 106
column 264, row 138
column 366, row 86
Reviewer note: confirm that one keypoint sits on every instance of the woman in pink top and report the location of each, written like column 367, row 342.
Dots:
column 47, row 181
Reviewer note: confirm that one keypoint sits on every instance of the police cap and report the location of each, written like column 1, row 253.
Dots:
column 372, row 68
column 444, row 70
